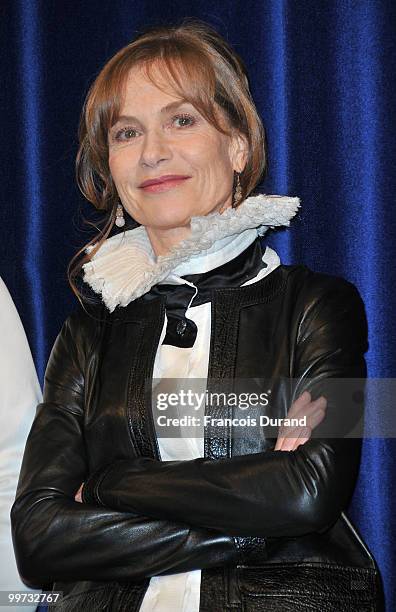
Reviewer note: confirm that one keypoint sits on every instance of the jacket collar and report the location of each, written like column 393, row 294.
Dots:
column 197, row 289
column 125, row 267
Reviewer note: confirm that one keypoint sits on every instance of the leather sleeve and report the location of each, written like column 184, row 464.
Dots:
column 58, row 539
column 273, row 493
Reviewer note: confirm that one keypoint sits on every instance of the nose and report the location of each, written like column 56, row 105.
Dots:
column 155, row 148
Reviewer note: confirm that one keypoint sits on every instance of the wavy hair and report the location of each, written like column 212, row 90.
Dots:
column 200, row 67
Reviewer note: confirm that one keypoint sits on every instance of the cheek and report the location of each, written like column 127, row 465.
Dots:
column 114, row 168
column 211, row 160
column 210, row 155
column 121, row 170
column 121, row 166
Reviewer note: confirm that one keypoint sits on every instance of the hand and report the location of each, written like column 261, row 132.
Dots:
column 77, row 496
column 315, row 412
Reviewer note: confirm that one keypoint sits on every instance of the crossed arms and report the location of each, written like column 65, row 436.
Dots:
column 144, row 517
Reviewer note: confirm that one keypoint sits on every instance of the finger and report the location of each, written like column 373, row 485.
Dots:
column 308, row 408
column 314, row 414
column 299, row 437
column 320, row 402
column 77, row 496
column 288, row 444
column 316, row 418
column 305, row 435
column 281, row 437
column 313, row 410
column 287, row 441
column 304, row 399
column 279, row 442
column 285, row 433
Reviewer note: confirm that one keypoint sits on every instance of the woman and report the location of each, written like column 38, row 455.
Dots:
column 212, row 517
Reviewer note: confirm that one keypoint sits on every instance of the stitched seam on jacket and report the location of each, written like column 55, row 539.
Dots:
column 99, row 482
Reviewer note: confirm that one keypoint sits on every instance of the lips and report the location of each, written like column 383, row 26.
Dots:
column 163, row 179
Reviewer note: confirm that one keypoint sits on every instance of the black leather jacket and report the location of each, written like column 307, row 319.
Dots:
column 266, row 527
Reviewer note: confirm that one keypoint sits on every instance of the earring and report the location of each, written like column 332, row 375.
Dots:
column 120, row 220
column 238, row 191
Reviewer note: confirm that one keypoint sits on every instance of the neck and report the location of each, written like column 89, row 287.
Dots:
column 162, row 240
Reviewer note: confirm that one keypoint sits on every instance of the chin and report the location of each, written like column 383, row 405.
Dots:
column 170, row 223
column 172, row 217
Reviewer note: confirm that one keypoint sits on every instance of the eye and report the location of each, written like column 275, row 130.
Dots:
column 126, row 131
column 184, row 118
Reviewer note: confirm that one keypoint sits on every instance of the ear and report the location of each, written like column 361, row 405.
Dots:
column 238, row 151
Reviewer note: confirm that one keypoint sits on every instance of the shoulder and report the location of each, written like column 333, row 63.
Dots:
column 325, row 302
column 310, row 286
column 82, row 328
column 70, row 357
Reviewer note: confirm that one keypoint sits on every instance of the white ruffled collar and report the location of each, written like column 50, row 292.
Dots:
column 125, row 267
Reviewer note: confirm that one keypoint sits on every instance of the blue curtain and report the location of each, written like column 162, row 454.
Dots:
column 322, row 75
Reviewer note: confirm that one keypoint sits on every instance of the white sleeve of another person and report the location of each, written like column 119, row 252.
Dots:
column 19, row 395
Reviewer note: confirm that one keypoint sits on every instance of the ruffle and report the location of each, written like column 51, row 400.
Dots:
column 125, row 267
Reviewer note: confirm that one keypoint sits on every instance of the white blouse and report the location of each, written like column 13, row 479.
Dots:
column 181, row 592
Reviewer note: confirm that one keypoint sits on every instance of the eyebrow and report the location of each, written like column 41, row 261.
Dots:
column 165, row 109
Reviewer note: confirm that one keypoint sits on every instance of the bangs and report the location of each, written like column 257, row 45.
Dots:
column 190, row 78
column 186, row 74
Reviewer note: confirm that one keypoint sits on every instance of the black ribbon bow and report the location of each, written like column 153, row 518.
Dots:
column 182, row 331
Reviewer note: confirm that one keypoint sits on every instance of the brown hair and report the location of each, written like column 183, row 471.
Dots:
column 203, row 69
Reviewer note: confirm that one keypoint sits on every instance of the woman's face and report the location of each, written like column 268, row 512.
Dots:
column 159, row 134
